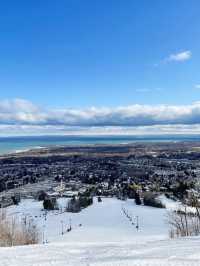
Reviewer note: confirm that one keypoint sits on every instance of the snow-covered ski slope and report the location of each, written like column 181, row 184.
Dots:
column 106, row 237
column 181, row 252
column 101, row 222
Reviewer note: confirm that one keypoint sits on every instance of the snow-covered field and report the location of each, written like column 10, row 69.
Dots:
column 106, row 237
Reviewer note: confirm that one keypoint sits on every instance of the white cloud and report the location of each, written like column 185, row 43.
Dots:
column 35, row 130
column 20, row 112
column 179, row 57
column 144, row 90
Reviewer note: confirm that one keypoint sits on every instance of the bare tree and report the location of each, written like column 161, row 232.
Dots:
column 30, row 232
column 183, row 223
column 15, row 231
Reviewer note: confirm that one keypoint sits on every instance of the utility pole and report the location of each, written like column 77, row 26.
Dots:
column 137, row 223
column 45, row 215
column 43, row 236
column 70, row 224
column 62, row 232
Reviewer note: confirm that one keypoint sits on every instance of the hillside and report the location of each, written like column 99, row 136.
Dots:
column 103, row 221
column 102, row 235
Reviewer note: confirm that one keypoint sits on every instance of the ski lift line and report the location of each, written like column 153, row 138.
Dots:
column 131, row 218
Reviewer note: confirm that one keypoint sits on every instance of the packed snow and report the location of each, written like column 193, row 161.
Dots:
column 105, row 233
column 181, row 252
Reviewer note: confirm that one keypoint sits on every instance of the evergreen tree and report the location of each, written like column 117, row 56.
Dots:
column 137, row 199
column 50, row 204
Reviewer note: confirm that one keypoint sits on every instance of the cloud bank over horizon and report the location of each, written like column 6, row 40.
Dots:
column 20, row 116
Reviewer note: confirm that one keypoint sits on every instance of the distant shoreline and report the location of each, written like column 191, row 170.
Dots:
column 37, row 144
column 119, row 149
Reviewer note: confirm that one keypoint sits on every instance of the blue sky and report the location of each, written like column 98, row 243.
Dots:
column 82, row 53
column 106, row 53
